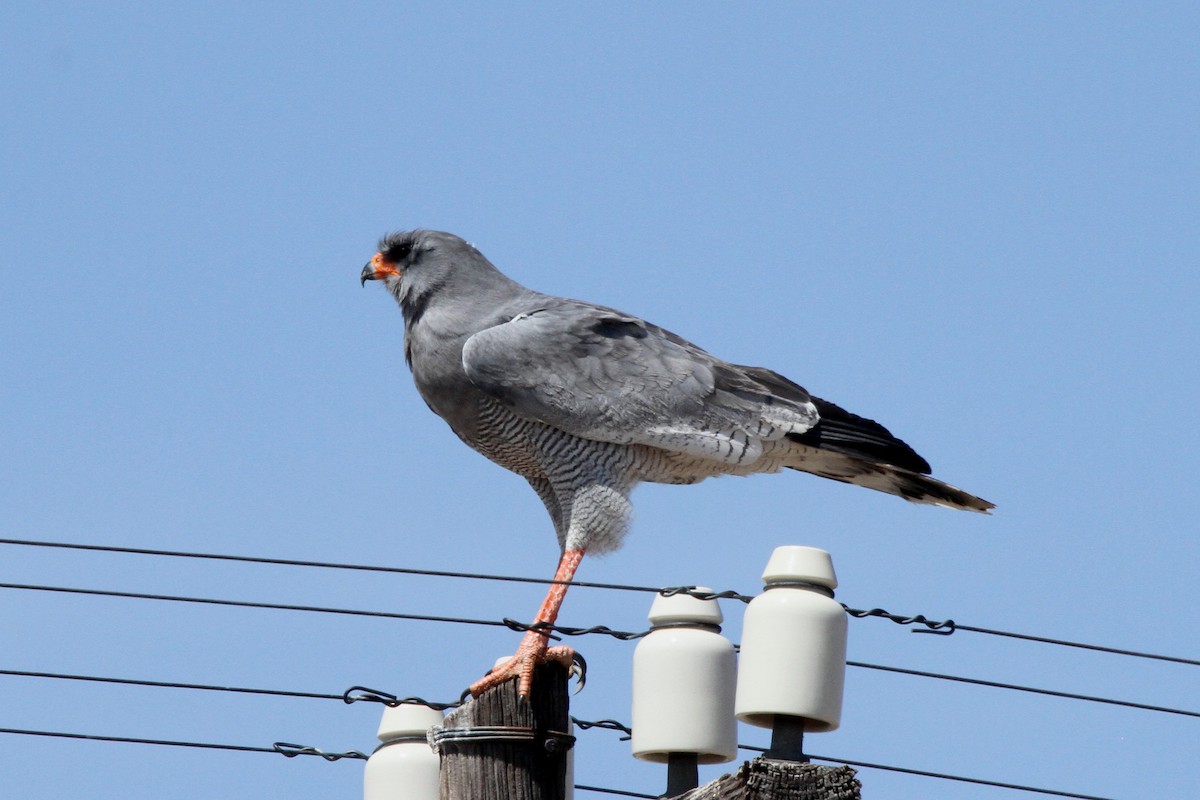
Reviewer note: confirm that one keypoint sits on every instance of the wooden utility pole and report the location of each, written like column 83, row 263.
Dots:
column 499, row 747
column 767, row 779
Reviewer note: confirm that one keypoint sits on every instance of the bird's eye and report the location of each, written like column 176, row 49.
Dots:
column 395, row 251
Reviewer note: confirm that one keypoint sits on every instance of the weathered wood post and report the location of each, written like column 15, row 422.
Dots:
column 766, row 779
column 499, row 747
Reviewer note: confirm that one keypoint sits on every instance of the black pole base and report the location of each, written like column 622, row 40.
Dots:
column 787, row 739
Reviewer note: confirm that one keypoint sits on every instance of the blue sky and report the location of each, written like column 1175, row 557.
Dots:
column 973, row 223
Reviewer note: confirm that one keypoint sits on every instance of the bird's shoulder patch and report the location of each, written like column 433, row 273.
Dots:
column 619, row 327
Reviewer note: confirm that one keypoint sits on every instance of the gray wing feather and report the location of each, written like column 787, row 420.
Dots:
column 604, row 375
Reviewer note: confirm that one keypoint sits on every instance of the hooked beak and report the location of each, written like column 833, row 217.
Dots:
column 377, row 269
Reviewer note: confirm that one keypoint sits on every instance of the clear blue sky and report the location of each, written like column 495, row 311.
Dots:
column 974, row 223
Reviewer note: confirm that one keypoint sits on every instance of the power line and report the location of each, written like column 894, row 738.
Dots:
column 292, row 750
column 1018, row 688
column 282, row 748
column 358, row 693
column 250, row 604
column 613, row 725
column 289, row 562
column 511, row 624
column 567, row 631
column 287, row 749
column 619, row 792
column 945, row 627
column 172, row 685
column 947, row 777
column 1080, row 645
column 362, row 693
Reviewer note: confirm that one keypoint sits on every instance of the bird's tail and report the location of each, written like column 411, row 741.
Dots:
column 912, row 486
column 852, row 449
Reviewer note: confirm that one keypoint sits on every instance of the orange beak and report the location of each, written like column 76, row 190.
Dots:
column 377, row 269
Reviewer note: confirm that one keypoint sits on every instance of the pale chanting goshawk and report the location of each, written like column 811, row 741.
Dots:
column 585, row 402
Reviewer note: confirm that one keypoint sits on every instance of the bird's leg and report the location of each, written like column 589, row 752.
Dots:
column 534, row 648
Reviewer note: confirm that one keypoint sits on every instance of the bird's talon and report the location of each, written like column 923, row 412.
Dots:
column 578, row 669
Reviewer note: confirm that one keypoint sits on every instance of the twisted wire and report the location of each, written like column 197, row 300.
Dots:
column 545, row 627
column 357, row 694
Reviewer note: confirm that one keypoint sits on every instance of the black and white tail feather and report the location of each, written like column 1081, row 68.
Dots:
column 852, row 449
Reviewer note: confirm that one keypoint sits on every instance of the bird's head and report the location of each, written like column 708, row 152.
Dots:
column 416, row 265
column 422, row 253
column 396, row 253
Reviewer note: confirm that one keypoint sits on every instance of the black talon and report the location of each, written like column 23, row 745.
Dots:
column 579, row 669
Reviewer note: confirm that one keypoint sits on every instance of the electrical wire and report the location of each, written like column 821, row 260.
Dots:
column 282, row 748
column 250, row 604
column 619, row 792
column 905, row 770
column 171, row 685
column 362, row 693
column 944, row 627
column 292, row 750
column 947, row 777
column 568, row 631
column 1030, row 689
column 583, row 725
column 289, row 562
column 1080, row 645
column 348, row 696
column 511, row 624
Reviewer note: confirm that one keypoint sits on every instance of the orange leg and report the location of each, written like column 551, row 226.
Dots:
column 534, row 648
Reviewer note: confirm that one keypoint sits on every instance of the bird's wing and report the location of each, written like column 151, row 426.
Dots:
column 600, row 374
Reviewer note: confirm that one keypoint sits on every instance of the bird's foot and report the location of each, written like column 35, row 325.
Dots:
column 533, row 650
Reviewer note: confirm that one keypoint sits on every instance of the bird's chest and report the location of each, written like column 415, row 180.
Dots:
column 512, row 442
column 479, row 420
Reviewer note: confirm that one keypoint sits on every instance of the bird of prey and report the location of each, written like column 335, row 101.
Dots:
column 585, row 402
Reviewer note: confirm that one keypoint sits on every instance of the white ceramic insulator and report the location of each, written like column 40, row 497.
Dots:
column 404, row 766
column 793, row 654
column 684, row 674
